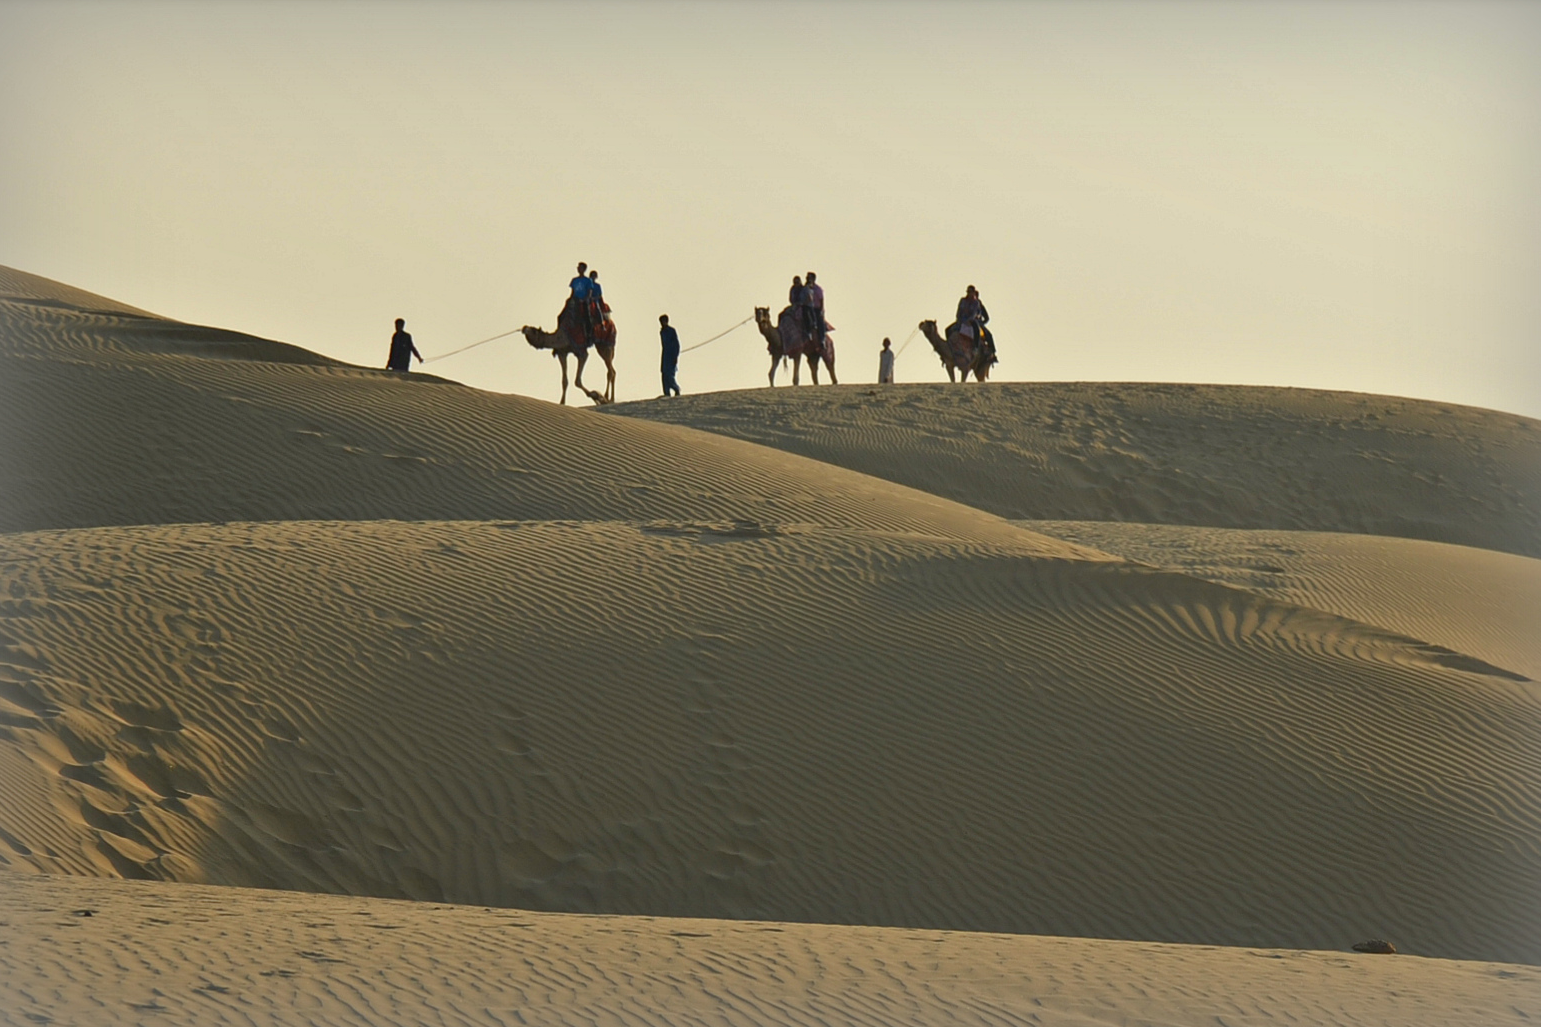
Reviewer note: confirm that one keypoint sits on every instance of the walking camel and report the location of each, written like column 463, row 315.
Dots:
column 959, row 352
column 568, row 340
column 787, row 339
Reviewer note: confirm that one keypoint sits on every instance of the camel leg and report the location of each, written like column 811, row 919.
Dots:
column 775, row 363
column 583, row 358
column 951, row 374
column 563, row 358
column 830, row 366
column 797, row 367
column 609, row 359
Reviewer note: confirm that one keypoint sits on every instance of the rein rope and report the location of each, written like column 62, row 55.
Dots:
column 512, row 331
column 719, row 334
column 473, row 345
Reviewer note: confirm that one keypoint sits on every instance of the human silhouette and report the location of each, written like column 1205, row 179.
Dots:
column 402, row 350
column 671, row 355
column 886, row 364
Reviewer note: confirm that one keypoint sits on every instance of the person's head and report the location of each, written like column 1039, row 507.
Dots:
column 582, row 267
column 400, row 324
column 663, row 319
column 973, row 291
column 797, row 279
column 886, row 343
column 594, row 276
column 812, row 277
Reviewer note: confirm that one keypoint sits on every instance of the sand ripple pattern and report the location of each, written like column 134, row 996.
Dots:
column 151, row 953
column 1205, row 455
column 1474, row 601
column 677, row 718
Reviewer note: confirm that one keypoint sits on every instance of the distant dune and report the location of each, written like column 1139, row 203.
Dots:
column 271, row 620
column 1204, row 455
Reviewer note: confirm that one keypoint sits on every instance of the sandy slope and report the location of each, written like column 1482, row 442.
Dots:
column 827, row 726
column 161, row 954
column 1475, row 601
column 36, row 290
column 1218, row 456
column 110, row 421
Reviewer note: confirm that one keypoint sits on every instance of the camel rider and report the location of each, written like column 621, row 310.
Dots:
column 972, row 318
column 797, row 298
column 581, row 285
column 815, row 309
column 603, row 330
column 579, row 302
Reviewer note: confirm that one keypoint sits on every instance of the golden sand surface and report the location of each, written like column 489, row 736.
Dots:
column 82, row 950
column 271, row 621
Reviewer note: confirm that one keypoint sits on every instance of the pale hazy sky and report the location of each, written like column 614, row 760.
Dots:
column 1332, row 195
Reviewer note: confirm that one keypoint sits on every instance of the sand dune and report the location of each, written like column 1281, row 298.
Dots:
column 224, row 955
column 1210, row 455
column 1475, row 601
column 675, row 719
column 268, row 619
column 168, row 437
column 35, row 290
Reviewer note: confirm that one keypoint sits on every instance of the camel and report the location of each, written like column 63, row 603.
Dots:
column 567, row 339
column 959, row 352
column 788, row 328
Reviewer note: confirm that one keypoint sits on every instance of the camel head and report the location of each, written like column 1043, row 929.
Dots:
column 928, row 329
column 762, row 316
column 534, row 336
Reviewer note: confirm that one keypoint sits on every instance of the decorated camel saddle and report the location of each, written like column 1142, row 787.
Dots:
column 796, row 339
column 966, row 338
column 586, row 322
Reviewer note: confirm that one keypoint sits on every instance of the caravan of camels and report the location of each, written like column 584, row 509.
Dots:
column 800, row 332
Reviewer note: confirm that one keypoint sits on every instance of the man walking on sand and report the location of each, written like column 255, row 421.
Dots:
column 671, row 355
column 402, row 350
column 886, row 364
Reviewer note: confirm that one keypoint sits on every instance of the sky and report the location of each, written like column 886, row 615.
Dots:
column 1329, row 195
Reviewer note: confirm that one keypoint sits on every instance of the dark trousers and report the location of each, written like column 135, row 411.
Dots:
column 670, row 386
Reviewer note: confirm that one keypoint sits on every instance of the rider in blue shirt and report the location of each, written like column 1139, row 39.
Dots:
column 581, row 286
column 583, row 289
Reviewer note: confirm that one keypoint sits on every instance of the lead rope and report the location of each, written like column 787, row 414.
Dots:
column 473, row 345
column 511, row 331
column 720, row 334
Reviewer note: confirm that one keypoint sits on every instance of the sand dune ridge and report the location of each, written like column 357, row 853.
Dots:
column 1200, row 455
